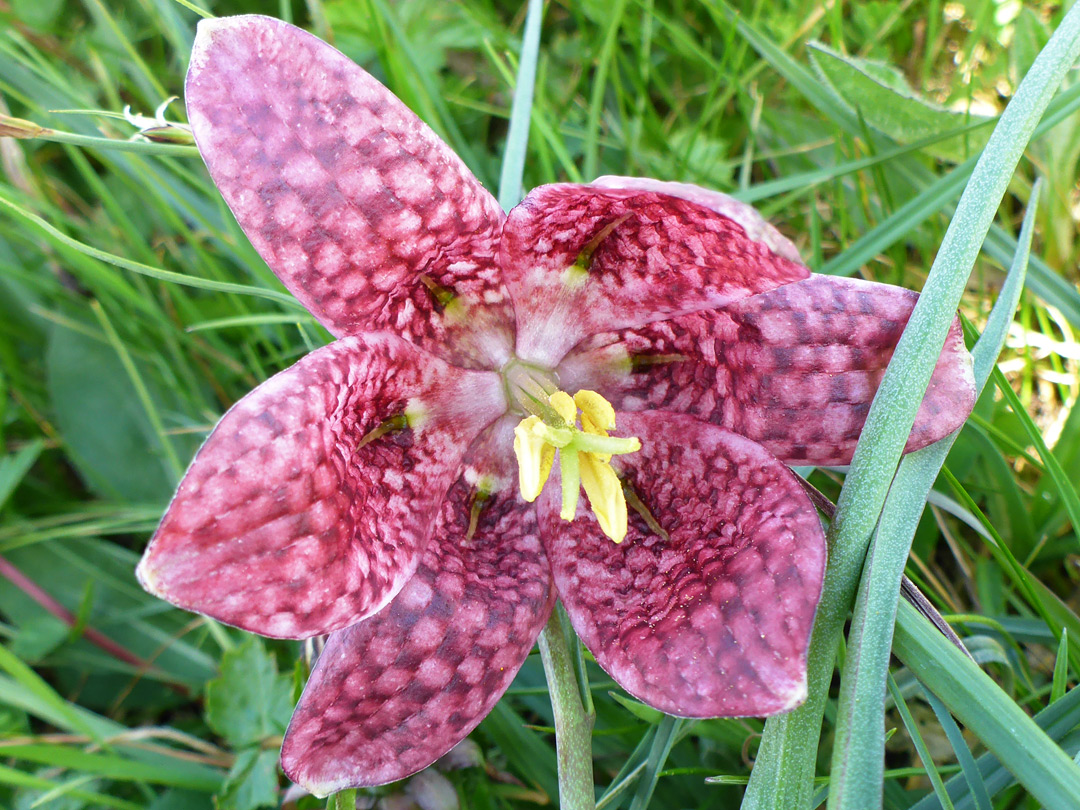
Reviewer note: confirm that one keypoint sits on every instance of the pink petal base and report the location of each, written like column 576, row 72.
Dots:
column 394, row 693
column 653, row 255
column 713, row 621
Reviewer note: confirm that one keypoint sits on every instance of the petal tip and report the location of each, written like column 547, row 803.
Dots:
column 294, row 770
column 791, row 698
column 147, row 577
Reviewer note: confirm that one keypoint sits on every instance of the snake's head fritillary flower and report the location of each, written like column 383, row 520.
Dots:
column 398, row 489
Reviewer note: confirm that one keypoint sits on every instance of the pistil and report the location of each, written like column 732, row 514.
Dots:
column 584, row 455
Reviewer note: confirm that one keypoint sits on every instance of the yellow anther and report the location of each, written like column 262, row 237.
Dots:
column 535, row 457
column 597, row 415
column 606, row 497
column 565, row 407
column 584, row 457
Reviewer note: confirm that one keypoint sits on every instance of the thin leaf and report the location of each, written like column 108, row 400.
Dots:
column 859, row 749
column 963, row 754
column 789, row 745
column 920, row 744
column 517, row 138
column 666, row 733
column 1033, row 757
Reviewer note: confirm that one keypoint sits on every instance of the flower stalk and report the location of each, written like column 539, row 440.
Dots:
column 573, row 725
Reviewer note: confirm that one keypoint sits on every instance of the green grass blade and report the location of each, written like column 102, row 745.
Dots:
column 666, row 733
column 790, row 747
column 1061, row 668
column 176, row 774
column 14, row 466
column 142, row 269
column 1036, row 761
column 919, row 743
column 859, row 749
column 599, row 88
column 1066, row 489
column 629, row 773
column 963, row 753
column 18, row 778
column 1057, row 721
column 517, row 138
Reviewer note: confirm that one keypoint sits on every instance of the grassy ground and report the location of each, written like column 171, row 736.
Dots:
column 133, row 312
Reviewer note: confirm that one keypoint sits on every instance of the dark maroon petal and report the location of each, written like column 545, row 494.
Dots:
column 365, row 215
column 288, row 522
column 648, row 255
column 394, row 693
column 756, row 226
column 714, row 619
column 795, row 368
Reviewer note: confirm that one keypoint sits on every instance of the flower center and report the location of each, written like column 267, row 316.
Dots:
column 584, row 454
column 526, row 385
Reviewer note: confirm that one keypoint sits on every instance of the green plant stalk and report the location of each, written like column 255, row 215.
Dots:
column 146, row 147
column 573, row 726
column 1026, row 751
column 859, row 750
column 783, row 775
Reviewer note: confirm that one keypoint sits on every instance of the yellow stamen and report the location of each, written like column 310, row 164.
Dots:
column 595, row 411
column 584, row 457
column 605, row 493
column 535, row 457
column 565, row 406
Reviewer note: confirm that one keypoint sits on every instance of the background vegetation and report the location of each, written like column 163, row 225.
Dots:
column 133, row 312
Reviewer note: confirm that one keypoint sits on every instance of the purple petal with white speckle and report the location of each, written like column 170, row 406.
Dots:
column 286, row 523
column 394, row 693
column 361, row 210
column 713, row 620
column 795, row 368
column 645, row 256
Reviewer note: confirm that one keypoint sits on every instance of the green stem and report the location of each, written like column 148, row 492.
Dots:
column 573, row 726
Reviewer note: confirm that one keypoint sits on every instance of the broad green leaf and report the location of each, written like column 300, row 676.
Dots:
column 112, row 442
column 882, row 96
column 250, row 701
column 252, row 782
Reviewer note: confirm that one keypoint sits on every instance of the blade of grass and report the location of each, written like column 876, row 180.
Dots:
column 146, row 270
column 517, row 138
column 666, row 733
column 859, row 749
column 1036, row 761
column 919, row 743
column 1061, row 668
column 963, row 753
column 1065, row 488
column 17, row 778
column 629, row 772
column 789, row 745
column 1057, row 721
column 599, row 88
